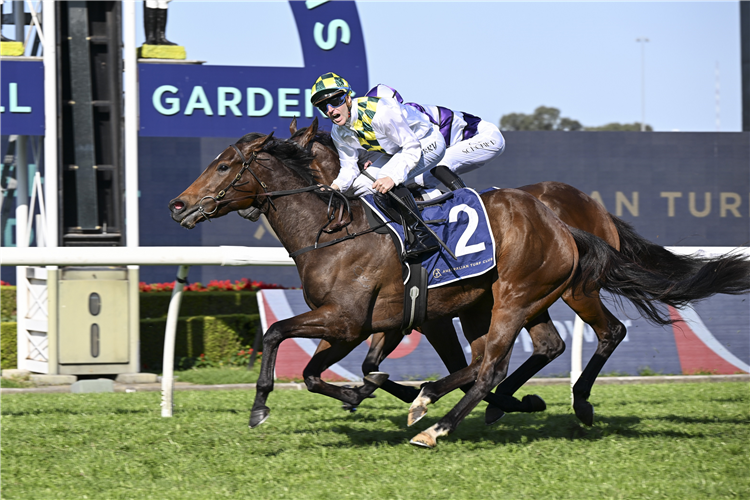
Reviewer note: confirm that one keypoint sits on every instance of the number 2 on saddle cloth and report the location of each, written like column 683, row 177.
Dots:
column 460, row 221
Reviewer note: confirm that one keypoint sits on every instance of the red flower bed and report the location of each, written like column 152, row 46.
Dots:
column 3, row 283
column 244, row 284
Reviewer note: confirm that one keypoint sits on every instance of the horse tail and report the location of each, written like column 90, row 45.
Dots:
column 625, row 274
column 654, row 257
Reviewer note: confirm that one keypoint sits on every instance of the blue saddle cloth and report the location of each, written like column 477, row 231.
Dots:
column 465, row 230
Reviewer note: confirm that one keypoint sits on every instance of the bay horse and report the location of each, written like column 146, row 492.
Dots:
column 574, row 208
column 355, row 286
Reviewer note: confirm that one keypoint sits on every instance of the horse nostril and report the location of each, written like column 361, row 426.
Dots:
column 178, row 205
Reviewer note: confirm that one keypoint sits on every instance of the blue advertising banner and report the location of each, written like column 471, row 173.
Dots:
column 229, row 101
column 22, row 98
column 710, row 337
column 675, row 188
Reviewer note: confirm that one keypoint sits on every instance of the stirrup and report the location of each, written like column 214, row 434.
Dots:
column 448, row 177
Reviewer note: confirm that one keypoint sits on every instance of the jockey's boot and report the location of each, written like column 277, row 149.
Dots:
column 418, row 239
column 445, row 175
column 161, row 27
column 149, row 25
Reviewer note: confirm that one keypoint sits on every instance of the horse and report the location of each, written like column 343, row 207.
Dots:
column 576, row 209
column 354, row 282
column 355, row 286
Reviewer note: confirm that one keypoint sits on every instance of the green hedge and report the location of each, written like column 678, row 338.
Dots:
column 219, row 324
column 8, row 346
column 7, row 303
column 156, row 304
column 218, row 337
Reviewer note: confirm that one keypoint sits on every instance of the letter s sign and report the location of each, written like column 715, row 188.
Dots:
column 333, row 26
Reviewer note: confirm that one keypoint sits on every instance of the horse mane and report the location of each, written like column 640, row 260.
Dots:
column 296, row 158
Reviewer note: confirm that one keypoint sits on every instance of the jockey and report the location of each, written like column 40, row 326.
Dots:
column 471, row 142
column 401, row 142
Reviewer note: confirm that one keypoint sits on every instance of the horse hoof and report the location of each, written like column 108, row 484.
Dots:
column 376, row 378
column 534, row 402
column 415, row 415
column 585, row 412
column 492, row 414
column 259, row 416
column 424, row 440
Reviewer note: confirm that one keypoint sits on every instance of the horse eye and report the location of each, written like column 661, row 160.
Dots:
column 223, row 167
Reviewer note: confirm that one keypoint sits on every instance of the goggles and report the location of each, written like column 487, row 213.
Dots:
column 335, row 101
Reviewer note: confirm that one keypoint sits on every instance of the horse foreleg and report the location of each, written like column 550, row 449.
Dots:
column 319, row 323
column 264, row 384
column 325, row 356
column 432, row 391
column 381, row 346
column 610, row 332
column 497, row 347
column 475, row 324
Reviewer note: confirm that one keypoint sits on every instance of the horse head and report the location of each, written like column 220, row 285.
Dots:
column 320, row 144
column 230, row 182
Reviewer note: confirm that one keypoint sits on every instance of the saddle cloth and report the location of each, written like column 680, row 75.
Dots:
column 461, row 222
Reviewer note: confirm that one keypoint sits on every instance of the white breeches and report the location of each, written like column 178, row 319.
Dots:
column 157, row 4
column 471, row 154
column 433, row 150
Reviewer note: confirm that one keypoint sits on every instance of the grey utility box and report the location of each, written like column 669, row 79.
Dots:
column 97, row 320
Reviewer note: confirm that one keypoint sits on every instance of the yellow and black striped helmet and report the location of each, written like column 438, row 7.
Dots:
column 327, row 86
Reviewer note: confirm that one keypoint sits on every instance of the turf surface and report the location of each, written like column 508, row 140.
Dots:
column 679, row 441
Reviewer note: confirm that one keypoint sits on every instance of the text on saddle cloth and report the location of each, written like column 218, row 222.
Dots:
column 464, row 228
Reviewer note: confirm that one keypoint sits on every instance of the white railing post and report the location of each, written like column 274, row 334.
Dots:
column 167, row 371
column 576, row 354
column 22, row 241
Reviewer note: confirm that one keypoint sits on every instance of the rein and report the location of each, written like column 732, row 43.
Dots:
column 334, row 224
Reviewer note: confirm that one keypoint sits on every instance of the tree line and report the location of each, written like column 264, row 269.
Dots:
column 548, row 118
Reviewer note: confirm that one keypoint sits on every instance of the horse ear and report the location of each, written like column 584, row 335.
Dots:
column 267, row 140
column 309, row 133
column 293, row 126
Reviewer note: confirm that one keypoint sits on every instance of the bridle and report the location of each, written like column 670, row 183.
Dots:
column 234, row 184
column 331, row 226
column 334, row 224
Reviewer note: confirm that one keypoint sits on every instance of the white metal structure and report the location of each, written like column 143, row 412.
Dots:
column 113, row 256
column 32, row 294
column 36, row 303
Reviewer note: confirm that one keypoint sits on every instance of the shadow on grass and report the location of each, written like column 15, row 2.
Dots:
column 513, row 429
column 702, row 420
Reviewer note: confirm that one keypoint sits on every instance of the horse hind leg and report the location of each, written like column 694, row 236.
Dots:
column 475, row 322
column 610, row 332
column 548, row 345
column 505, row 328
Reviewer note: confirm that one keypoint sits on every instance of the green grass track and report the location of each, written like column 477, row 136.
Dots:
column 681, row 441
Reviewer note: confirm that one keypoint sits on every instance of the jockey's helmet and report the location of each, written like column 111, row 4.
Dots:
column 327, row 86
